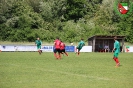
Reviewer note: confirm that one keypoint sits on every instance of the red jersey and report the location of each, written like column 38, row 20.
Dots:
column 57, row 44
column 62, row 46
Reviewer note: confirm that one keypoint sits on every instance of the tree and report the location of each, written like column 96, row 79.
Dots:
column 52, row 10
column 75, row 9
column 24, row 20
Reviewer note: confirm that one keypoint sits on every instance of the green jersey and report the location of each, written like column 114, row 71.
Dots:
column 38, row 42
column 81, row 44
column 117, row 47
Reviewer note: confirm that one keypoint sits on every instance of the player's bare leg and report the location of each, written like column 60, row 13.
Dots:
column 39, row 52
column 62, row 53
column 55, row 56
column 78, row 51
column 66, row 53
column 59, row 57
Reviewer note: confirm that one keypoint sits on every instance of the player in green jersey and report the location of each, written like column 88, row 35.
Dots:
column 80, row 45
column 116, row 51
column 38, row 44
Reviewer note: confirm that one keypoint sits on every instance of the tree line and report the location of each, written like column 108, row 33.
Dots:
column 25, row 20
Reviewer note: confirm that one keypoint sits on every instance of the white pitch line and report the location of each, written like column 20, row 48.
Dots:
column 80, row 75
column 67, row 73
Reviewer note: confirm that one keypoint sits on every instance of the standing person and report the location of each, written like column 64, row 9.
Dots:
column 38, row 43
column 116, row 51
column 80, row 45
column 57, row 44
column 62, row 48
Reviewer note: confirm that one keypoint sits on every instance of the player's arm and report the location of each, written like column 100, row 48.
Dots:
column 84, row 44
column 35, row 43
column 64, row 45
column 114, row 48
column 79, row 44
column 54, row 43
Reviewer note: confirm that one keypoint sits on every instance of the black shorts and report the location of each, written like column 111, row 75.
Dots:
column 63, row 50
column 57, row 50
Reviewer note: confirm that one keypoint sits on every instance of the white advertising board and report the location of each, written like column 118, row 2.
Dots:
column 24, row 48
column 18, row 48
column 128, row 48
column 86, row 49
column 47, row 49
column 44, row 48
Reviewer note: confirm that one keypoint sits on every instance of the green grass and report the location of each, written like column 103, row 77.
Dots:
column 89, row 70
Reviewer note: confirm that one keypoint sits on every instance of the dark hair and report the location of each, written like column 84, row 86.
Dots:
column 57, row 37
column 82, row 39
column 115, row 38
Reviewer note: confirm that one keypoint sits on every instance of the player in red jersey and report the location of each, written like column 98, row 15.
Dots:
column 57, row 46
column 62, row 48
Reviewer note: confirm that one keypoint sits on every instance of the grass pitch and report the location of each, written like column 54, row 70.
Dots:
column 88, row 70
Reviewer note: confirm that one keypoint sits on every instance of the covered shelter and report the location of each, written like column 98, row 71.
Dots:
column 100, row 42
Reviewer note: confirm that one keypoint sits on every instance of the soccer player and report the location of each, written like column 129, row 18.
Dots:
column 57, row 45
column 80, row 45
column 62, row 48
column 38, row 43
column 116, row 51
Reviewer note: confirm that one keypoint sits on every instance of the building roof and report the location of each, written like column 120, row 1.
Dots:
column 106, row 37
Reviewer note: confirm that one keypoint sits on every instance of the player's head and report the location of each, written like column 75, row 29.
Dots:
column 38, row 38
column 57, row 38
column 115, row 38
column 82, row 39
